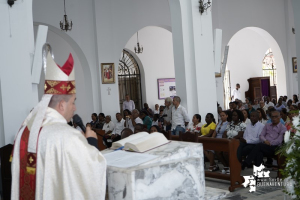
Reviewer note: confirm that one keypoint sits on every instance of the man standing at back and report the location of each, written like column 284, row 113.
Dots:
column 128, row 104
column 180, row 118
column 236, row 93
column 50, row 159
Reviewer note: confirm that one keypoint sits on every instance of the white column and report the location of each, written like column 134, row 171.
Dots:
column 16, row 50
column 193, row 57
column 296, row 8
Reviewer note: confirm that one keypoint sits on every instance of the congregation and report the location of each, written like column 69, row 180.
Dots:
column 259, row 125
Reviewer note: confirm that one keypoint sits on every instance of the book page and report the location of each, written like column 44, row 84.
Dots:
column 122, row 142
column 125, row 159
column 145, row 143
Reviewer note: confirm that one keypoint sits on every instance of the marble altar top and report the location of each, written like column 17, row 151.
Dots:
column 175, row 150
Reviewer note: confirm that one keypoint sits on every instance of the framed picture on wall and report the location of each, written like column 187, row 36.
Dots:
column 166, row 88
column 108, row 73
column 294, row 61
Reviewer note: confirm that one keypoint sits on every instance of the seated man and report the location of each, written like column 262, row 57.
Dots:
column 133, row 119
column 250, row 137
column 270, row 110
column 148, row 110
column 116, row 133
column 146, row 119
column 108, row 127
column 138, row 128
column 271, row 137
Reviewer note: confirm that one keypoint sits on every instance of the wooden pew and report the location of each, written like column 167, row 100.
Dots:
column 230, row 146
column 100, row 134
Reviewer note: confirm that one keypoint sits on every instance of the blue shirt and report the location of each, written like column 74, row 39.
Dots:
column 221, row 127
column 252, row 133
column 281, row 121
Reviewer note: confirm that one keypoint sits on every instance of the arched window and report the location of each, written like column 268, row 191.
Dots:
column 269, row 67
column 129, row 80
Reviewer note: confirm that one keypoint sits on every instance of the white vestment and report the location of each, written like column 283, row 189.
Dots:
column 67, row 166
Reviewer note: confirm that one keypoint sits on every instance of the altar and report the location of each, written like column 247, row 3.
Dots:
column 176, row 173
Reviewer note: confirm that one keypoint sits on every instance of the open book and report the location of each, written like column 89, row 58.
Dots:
column 141, row 142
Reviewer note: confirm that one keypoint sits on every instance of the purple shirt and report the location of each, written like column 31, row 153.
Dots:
column 252, row 133
column 273, row 133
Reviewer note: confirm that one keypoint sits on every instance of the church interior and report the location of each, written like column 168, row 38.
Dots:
column 132, row 48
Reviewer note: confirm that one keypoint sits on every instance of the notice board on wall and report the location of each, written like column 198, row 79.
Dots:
column 166, row 88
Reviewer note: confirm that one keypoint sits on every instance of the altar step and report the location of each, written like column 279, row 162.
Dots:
column 215, row 193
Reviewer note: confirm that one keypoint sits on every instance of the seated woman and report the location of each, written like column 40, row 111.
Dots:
column 154, row 129
column 279, row 105
column 284, row 115
column 126, row 112
column 262, row 116
column 246, row 119
column 289, row 125
column 289, row 103
column 155, row 120
column 218, row 133
column 207, row 130
column 247, row 101
column 250, row 108
column 235, row 129
column 126, row 117
column 240, row 105
column 237, row 126
column 195, row 125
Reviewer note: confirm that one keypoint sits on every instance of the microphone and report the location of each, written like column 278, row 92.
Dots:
column 78, row 121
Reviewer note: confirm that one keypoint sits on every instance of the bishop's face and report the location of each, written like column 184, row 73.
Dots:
column 70, row 108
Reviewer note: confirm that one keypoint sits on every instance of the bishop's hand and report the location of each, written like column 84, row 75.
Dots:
column 90, row 133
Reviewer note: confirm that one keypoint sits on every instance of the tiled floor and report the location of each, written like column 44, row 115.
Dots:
column 262, row 193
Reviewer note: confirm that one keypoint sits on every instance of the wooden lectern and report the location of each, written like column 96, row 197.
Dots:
column 260, row 86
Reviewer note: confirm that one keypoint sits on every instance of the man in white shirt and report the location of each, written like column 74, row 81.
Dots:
column 156, row 110
column 118, row 127
column 133, row 120
column 128, row 104
column 168, row 113
column 116, row 133
column 180, row 118
column 268, row 103
column 250, row 136
column 236, row 93
column 108, row 127
column 263, row 106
